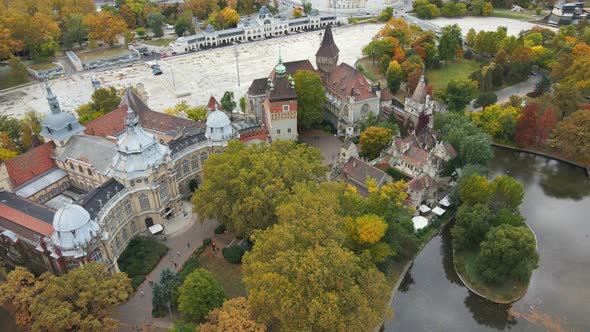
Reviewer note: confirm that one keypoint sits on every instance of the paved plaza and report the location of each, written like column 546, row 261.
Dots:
column 328, row 143
column 203, row 73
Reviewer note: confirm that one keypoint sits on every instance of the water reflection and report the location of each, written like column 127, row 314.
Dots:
column 559, row 184
column 447, row 256
column 489, row 314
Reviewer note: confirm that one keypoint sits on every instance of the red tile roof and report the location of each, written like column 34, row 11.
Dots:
column 328, row 47
column 347, row 81
column 30, row 164
column 25, row 220
column 212, row 103
column 113, row 122
column 415, row 156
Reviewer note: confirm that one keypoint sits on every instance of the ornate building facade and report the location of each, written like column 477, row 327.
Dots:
column 86, row 192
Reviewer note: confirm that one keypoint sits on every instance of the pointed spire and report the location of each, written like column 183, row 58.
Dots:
column 328, row 47
column 280, row 69
column 51, row 98
column 132, row 120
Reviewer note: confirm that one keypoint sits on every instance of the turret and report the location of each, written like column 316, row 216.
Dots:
column 326, row 57
column 57, row 125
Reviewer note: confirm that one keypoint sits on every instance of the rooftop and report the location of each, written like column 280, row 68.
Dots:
column 30, row 164
column 93, row 150
column 328, row 47
column 26, row 213
column 97, row 198
column 346, row 81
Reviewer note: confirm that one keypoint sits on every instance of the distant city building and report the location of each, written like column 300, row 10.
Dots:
column 83, row 194
column 265, row 25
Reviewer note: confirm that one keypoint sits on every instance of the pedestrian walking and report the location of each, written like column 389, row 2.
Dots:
column 141, row 293
column 175, row 265
column 178, row 253
column 188, row 244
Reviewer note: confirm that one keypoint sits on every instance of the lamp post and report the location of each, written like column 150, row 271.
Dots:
column 237, row 63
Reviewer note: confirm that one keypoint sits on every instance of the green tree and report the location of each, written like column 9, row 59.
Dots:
column 165, row 292
column 573, row 136
column 307, row 7
column 386, row 14
column 458, row 94
column 506, row 193
column 453, row 9
column 155, row 21
column 255, row 179
column 475, row 189
column 425, row 9
column 140, row 31
column 227, row 101
column 199, row 294
column 76, row 31
column 243, row 103
column 471, row 226
column 448, row 45
column 507, row 252
column 181, row 26
column 311, row 96
column 373, row 140
column 394, row 76
column 484, row 99
column 17, row 68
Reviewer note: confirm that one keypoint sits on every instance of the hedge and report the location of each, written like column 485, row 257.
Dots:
column 233, row 254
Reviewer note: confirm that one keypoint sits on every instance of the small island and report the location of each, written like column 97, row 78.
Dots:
column 494, row 250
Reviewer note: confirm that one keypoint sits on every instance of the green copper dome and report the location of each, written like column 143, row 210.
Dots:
column 280, row 69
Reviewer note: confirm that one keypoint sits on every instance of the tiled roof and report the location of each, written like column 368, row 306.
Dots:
column 212, row 103
column 26, row 213
column 282, row 90
column 421, row 183
column 450, row 150
column 94, row 201
column 415, row 156
column 93, row 150
column 360, row 171
column 328, row 47
column 258, row 87
column 113, row 122
column 346, row 81
column 294, row 66
column 30, row 164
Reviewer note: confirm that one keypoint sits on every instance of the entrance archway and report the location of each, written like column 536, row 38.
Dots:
column 169, row 213
column 149, row 222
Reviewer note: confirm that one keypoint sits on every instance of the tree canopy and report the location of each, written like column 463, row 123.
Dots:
column 573, row 136
column 373, row 140
column 458, row 94
column 83, row 299
column 249, row 182
column 199, row 294
column 234, row 316
column 311, row 96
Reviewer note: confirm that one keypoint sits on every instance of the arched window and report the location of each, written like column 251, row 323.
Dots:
column 144, row 202
column 204, row 157
column 96, row 256
column 164, row 193
column 128, row 209
column 185, row 167
column 195, row 162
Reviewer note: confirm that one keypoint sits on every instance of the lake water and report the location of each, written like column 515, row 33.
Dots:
column 557, row 208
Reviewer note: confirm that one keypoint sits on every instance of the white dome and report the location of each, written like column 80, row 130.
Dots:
column 217, row 119
column 73, row 229
column 70, row 217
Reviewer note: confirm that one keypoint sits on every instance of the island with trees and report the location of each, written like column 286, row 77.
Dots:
column 494, row 251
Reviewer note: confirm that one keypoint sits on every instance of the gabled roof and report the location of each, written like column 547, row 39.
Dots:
column 357, row 172
column 421, row 183
column 415, row 156
column 282, row 90
column 294, row 66
column 258, row 87
column 30, row 164
column 212, row 104
column 26, row 213
column 328, row 47
column 346, row 81
column 113, row 123
column 93, row 150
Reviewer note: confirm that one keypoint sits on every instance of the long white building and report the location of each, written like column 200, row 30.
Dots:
column 263, row 26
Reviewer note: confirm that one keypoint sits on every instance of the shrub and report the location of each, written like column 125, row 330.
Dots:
column 220, row 229
column 233, row 254
column 396, row 174
column 485, row 99
column 137, row 280
column 189, row 266
column 207, row 241
column 141, row 256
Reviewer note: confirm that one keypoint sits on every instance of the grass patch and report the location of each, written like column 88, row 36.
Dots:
column 162, row 42
column 523, row 16
column 43, row 66
column 140, row 257
column 103, row 53
column 454, row 70
column 7, row 80
column 507, row 292
column 229, row 275
column 372, row 72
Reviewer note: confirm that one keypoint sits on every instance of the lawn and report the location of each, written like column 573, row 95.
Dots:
column 229, row 275
column 507, row 292
column 454, row 70
column 43, row 66
column 162, row 42
column 372, row 72
column 7, row 80
column 140, row 257
column 103, row 53
column 524, row 16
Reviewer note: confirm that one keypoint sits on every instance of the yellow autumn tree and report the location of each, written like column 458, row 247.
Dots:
column 373, row 140
column 230, row 17
column 234, row 316
column 105, row 26
column 370, row 229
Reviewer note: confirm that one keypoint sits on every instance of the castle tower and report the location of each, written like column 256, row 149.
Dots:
column 58, row 126
column 326, row 58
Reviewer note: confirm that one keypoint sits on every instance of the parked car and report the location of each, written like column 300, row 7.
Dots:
column 157, row 71
column 95, row 82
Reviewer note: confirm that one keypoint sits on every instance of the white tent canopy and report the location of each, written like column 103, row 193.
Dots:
column 423, row 208
column 439, row 211
column 419, row 222
column 446, row 201
column 155, row 229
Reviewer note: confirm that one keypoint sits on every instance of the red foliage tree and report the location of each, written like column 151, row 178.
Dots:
column 526, row 127
column 545, row 124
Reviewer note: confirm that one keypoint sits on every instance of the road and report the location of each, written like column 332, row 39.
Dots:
column 519, row 89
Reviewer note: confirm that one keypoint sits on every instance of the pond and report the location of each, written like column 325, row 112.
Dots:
column 557, row 207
